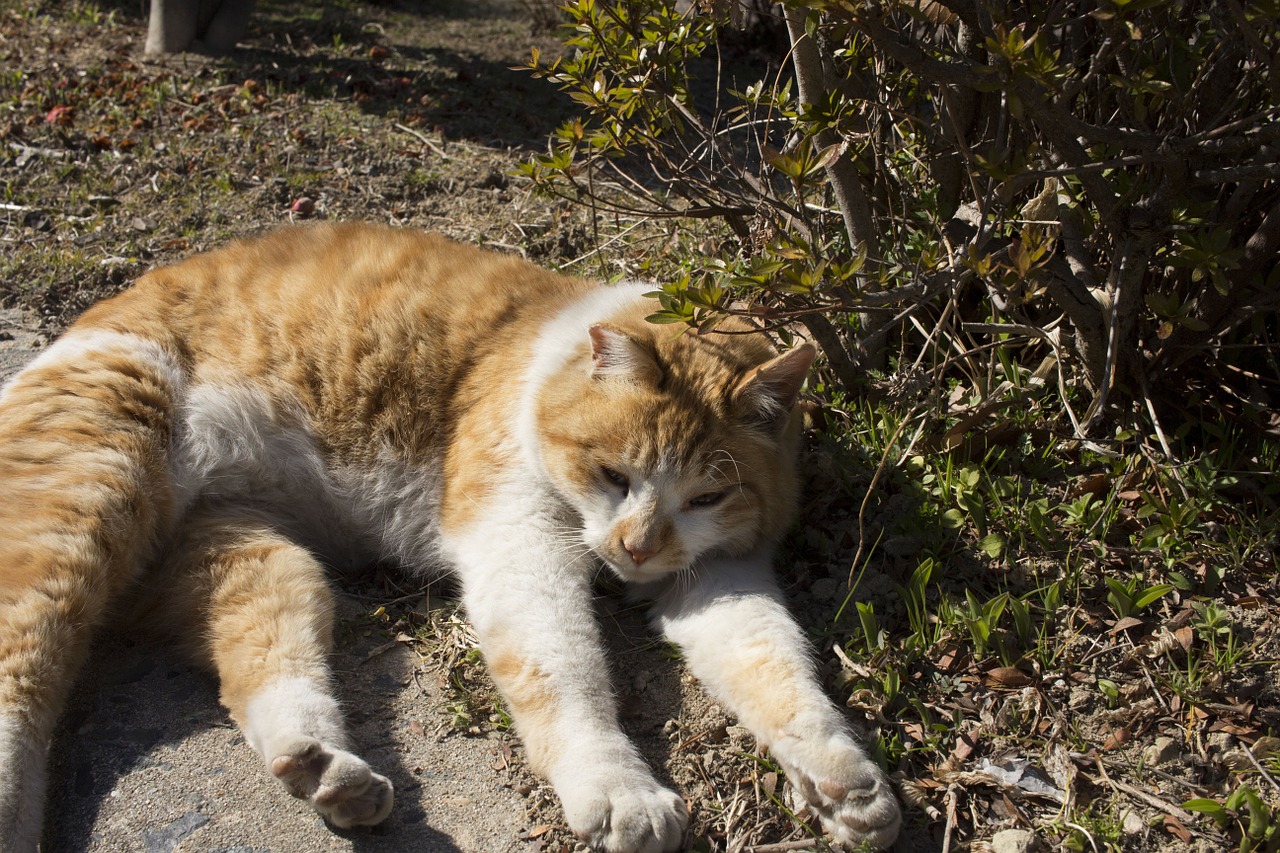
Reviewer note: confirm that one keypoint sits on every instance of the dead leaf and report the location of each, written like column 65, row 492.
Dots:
column 1118, row 738
column 1008, row 676
column 1176, row 828
column 1126, row 623
column 915, row 731
column 1094, row 484
column 965, row 745
column 769, row 782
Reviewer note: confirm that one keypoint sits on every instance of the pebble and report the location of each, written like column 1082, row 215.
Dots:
column 825, row 589
column 1164, row 749
column 1014, row 841
column 1133, row 824
column 1220, row 741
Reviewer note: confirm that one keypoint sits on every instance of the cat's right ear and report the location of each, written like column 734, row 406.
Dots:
column 769, row 392
column 616, row 355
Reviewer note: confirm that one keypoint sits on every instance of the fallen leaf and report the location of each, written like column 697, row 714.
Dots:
column 1007, row 676
column 1126, row 623
column 1176, row 827
column 769, row 782
column 60, row 116
column 965, row 745
column 915, row 731
column 1118, row 738
column 1094, row 484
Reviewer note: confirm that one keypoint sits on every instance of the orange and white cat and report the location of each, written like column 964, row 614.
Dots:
column 193, row 452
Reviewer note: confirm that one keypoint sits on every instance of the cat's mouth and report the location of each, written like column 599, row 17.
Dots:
column 647, row 572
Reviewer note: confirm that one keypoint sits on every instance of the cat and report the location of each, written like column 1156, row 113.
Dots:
column 187, row 454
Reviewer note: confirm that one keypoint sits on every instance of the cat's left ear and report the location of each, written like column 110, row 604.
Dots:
column 770, row 390
column 616, row 354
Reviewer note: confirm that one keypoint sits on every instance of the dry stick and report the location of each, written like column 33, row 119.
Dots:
column 1150, row 799
column 1254, row 759
column 422, row 137
column 1164, row 443
column 862, row 511
column 951, row 818
column 802, row 844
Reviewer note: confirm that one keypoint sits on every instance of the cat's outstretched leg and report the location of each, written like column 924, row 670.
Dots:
column 267, row 618
column 742, row 644
column 531, row 605
column 84, row 492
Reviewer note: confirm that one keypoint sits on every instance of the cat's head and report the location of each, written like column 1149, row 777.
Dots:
column 672, row 445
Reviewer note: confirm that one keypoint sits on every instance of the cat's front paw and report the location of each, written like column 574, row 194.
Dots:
column 847, row 789
column 338, row 785
column 626, row 816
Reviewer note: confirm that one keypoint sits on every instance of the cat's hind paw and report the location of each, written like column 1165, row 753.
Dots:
column 646, row 818
column 338, row 785
column 852, row 796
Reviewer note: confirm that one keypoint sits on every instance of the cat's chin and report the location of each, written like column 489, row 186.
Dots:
column 642, row 574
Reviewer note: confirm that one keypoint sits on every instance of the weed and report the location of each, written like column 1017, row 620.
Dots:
column 1251, row 823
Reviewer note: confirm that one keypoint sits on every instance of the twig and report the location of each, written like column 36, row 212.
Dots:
column 422, row 137
column 862, row 510
column 802, row 844
column 1164, row 443
column 1150, row 799
column 1254, row 760
column 951, row 818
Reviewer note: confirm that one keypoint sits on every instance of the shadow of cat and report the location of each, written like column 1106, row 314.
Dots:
column 145, row 757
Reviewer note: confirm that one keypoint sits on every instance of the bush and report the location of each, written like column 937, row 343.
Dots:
column 1082, row 193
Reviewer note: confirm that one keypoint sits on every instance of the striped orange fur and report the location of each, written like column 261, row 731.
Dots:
column 193, row 453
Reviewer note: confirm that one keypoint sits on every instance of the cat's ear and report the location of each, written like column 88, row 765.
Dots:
column 616, row 355
column 769, row 391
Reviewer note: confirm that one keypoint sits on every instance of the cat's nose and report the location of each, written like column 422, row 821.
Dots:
column 637, row 552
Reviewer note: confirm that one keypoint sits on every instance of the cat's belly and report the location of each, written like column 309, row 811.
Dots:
column 237, row 444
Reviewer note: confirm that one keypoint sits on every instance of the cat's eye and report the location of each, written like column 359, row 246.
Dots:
column 618, row 479
column 705, row 500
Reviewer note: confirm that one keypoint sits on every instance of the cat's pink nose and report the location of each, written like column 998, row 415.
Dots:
column 638, row 554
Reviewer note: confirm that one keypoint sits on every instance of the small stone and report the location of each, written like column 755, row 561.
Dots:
column 1133, row 824
column 1164, row 749
column 1014, row 841
column 824, row 589
column 1220, row 742
column 165, row 839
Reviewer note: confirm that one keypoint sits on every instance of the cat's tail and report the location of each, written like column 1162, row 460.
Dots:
column 85, row 494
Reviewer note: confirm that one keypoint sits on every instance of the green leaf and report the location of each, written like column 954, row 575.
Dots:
column 1204, row 805
column 1152, row 594
column 992, row 545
